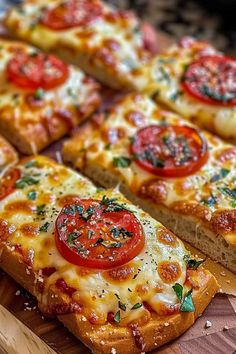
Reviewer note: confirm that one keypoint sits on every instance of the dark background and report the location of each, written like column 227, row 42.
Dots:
column 213, row 20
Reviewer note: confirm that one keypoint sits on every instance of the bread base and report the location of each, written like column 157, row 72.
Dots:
column 102, row 338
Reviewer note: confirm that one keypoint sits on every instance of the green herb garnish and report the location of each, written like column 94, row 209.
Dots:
column 26, row 181
column 122, row 161
column 32, row 195
column 186, row 301
column 31, row 163
column 72, row 236
column 223, row 173
column 117, row 317
column 193, row 263
column 44, row 227
column 39, row 94
column 41, row 209
column 136, row 306
column 122, row 306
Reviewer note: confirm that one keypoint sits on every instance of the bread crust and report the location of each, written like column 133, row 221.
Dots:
column 102, row 338
column 32, row 138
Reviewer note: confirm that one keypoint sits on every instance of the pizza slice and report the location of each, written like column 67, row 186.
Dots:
column 8, row 156
column 110, row 45
column 118, row 279
column 198, row 82
column 41, row 98
column 183, row 177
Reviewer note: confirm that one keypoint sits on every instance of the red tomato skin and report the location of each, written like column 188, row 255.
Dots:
column 7, row 184
column 90, row 261
column 76, row 13
column 150, row 42
column 192, row 90
column 175, row 172
column 31, row 72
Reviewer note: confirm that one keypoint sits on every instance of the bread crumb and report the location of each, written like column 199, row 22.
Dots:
column 223, row 274
column 113, row 351
column 166, row 324
column 17, row 293
column 27, row 271
column 83, row 318
column 225, row 328
column 102, row 342
column 208, row 324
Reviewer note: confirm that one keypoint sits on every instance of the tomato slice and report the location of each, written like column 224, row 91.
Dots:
column 150, row 42
column 169, row 150
column 72, row 13
column 36, row 71
column 7, row 184
column 98, row 234
column 212, row 79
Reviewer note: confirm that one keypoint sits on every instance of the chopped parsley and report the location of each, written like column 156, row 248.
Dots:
column 150, row 157
column 32, row 163
column 73, row 209
column 117, row 317
column 122, row 306
column 193, row 263
column 163, row 75
column 26, row 181
column 72, row 93
column 136, row 306
column 122, row 161
column 107, row 244
column 120, row 232
column 32, row 195
column 85, row 214
column 72, row 236
column 39, row 94
column 175, row 95
column 107, row 201
column 41, row 209
column 90, row 234
column 210, row 201
column 186, row 300
column 222, row 174
column 230, row 193
column 44, row 227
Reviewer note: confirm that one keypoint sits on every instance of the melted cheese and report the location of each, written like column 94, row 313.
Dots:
column 89, row 40
column 13, row 99
column 197, row 188
column 96, row 290
column 164, row 74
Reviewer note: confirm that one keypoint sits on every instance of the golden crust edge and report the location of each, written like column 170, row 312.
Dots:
column 101, row 339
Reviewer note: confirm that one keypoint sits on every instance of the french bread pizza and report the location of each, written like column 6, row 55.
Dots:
column 116, row 278
column 183, row 177
column 110, row 44
column 198, row 82
column 41, row 98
